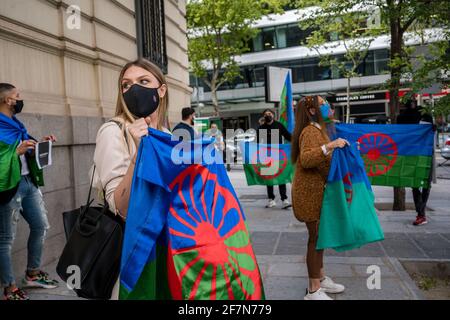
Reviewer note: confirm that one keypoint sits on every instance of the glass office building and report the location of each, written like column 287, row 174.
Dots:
column 280, row 43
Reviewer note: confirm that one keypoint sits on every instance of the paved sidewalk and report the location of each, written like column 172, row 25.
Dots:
column 280, row 244
column 279, row 241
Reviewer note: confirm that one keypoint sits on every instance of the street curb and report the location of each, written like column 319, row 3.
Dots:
column 406, row 279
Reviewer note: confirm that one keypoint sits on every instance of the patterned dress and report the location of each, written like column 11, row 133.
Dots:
column 311, row 173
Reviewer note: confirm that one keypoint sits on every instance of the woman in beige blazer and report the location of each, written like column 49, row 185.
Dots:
column 142, row 102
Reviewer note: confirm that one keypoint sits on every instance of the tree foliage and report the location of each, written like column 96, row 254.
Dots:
column 218, row 31
column 340, row 26
column 402, row 19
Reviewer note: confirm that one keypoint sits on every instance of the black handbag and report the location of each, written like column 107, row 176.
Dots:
column 94, row 245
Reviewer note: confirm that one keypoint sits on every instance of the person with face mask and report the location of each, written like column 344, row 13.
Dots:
column 185, row 129
column 142, row 103
column 264, row 135
column 312, row 147
column 20, row 180
column 215, row 133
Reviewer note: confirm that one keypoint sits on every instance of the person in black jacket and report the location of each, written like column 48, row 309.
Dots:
column 264, row 135
column 185, row 129
column 414, row 115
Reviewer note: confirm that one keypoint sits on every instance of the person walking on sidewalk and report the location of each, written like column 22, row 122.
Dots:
column 413, row 115
column 141, row 104
column 311, row 154
column 20, row 179
column 264, row 135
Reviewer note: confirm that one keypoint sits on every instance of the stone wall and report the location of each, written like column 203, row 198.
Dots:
column 68, row 80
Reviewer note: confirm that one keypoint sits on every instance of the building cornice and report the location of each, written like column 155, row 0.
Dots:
column 30, row 36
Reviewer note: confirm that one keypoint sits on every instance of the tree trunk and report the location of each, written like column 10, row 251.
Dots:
column 215, row 100
column 399, row 199
column 396, row 51
column 347, row 117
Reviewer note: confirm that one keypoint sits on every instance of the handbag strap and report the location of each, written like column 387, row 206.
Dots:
column 89, row 201
column 120, row 125
column 105, row 203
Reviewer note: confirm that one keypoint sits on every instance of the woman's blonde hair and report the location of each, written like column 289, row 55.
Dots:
column 122, row 110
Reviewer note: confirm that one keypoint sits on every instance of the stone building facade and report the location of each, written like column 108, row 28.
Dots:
column 65, row 57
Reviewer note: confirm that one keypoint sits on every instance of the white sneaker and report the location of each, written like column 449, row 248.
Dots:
column 271, row 204
column 329, row 286
column 318, row 295
column 286, row 204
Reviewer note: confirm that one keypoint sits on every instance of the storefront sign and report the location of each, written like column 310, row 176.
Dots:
column 361, row 97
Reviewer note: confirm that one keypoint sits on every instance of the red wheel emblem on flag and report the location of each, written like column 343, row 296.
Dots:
column 263, row 160
column 210, row 249
column 379, row 152
column 348, row 188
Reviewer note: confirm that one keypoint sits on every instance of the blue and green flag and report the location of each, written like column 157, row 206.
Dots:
column 348, row 218
column 398, row 155
column 12, row 131
column 286, row 108
column 186, row 235
column 268, row 165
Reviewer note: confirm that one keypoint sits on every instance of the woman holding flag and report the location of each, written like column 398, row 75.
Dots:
column 142, row 103
column 185, row 234
column 311, row 151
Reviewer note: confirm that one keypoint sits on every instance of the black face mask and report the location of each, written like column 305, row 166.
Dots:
column 141, row 101
column 18, row 106
column 268, row 119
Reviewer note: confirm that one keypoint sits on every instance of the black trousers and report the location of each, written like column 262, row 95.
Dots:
column 420, row 199
column 281, row 187
column 420, row 196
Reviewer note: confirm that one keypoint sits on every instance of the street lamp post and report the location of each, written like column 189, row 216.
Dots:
column 198, row 96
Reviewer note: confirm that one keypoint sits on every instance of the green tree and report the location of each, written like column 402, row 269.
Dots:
column 432, row 68
column 220, row 30
column 338, row 27
column 399, row 19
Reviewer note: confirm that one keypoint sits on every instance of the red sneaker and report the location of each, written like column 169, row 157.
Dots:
column 420, row 220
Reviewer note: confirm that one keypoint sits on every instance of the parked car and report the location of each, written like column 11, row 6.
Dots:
column 445, row 151
column 233, row 144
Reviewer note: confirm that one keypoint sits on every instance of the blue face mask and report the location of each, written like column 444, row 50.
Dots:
column 326, row 111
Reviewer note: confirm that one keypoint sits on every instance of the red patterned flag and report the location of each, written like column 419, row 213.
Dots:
column 186, row 236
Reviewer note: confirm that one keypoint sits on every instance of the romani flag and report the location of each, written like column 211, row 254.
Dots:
column 185, row 235
column 398, row 155
column 268, row 165
column 12, row 131
column 286, row 110
column 348, row 218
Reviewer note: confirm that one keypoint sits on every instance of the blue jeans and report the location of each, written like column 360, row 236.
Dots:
column 29, row 203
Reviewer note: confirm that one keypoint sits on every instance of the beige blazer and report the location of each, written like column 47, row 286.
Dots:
column 112, row 157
